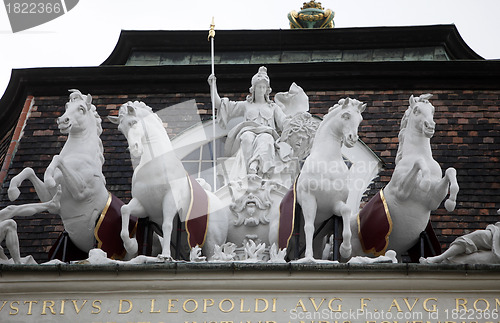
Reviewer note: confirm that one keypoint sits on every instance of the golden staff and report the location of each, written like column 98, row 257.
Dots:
column 211, row 36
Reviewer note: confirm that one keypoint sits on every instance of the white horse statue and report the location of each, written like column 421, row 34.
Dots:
column 73, row 185
column 322, row 186
column 415, row 189
column 161, row 188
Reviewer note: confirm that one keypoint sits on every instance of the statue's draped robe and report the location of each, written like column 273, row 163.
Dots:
column 486, row 243
column 262, row 120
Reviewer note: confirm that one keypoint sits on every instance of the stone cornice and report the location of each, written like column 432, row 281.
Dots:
column 261, row 277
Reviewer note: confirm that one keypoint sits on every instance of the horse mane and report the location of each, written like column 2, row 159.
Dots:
column 424, row 98
column 335, row 110
column 142, row 108
column 332, row 112
column 76, row 95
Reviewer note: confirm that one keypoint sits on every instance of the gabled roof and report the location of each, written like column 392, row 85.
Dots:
column 437, row 42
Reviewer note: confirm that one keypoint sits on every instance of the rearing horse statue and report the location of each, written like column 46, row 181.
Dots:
column 73, row 185
column 161, row 187
column 416, row 188
column 322, row 186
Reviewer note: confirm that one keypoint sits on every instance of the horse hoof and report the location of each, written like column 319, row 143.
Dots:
column 165, row 258
column 345, row 252
column 450, row 205
column 131, row 246
column 13, row 193
column 305, row 260
column 423, row 260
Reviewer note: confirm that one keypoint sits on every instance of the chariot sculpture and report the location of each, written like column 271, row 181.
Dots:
column 249, row 216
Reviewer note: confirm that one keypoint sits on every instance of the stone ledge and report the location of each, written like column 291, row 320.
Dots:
column 182, row 267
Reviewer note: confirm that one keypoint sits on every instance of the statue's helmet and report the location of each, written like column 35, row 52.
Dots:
column 261, row 76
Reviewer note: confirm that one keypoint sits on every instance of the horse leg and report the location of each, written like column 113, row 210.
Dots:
column 217, row 226
column 345, row 246
column 407, row 184
column 440, row 190
column 8, row 231
column 48, row 176
column 25, row 210
column 28, row 173
column 169, row 212
column 425, row 180
column 75, row 183
column 274, row 231
column 135, row 208
column 357, row 249
column 451, row 202
column 309, row 208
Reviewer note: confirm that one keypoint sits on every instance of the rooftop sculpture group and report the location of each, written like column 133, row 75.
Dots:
column 252, row 217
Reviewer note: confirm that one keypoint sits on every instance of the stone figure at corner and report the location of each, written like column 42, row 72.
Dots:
column 257, row 134
column 8, row 227
column 478, row 247
column 8, row 232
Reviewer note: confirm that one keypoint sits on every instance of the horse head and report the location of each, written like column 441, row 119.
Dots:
column 79, row 115
column 346, row 115
column 128, row 121
column 420, row 116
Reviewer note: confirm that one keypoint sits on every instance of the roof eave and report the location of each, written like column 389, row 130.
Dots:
column 294, row 39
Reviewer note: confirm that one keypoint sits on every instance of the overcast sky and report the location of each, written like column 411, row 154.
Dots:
column 86, row 35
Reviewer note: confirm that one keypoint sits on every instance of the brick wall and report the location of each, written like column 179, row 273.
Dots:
column 467, row 137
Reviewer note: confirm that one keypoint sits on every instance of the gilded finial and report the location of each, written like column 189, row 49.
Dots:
column 211, row 32
column 312, row 4
column 311, row 15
